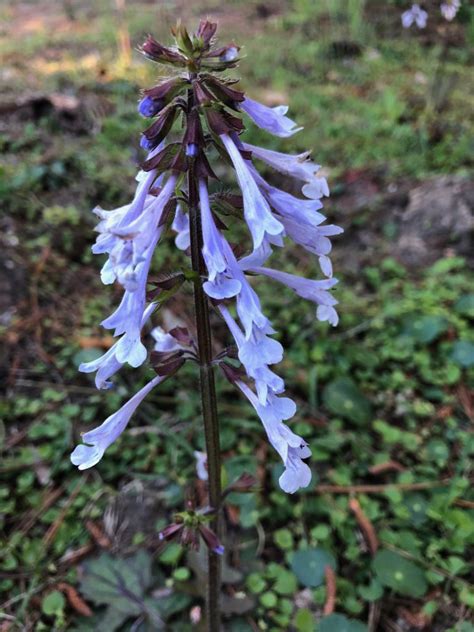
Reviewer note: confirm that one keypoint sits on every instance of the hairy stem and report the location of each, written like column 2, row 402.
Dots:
column 208, row 396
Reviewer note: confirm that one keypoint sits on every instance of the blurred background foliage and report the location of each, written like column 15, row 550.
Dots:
column 385, row 400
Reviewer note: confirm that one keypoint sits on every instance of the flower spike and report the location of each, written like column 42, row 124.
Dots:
column 176, row 190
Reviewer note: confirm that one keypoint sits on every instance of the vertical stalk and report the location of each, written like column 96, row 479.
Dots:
column 208, row 394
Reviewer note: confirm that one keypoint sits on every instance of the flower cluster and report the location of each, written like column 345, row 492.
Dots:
column 211, row 110
column 418, row 16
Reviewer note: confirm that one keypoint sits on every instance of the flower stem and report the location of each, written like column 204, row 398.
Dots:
column 208, row 396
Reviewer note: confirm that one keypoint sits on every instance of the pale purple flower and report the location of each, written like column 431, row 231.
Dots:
column 212, row 242
column 192, row 150
column 108, row 365
column 295, row 166
column 99, row 439
column 272, row 120
column 414, row 15
column 230, row 54
column 164, row 342
column 256, row 354
column 180, row 226
column 258, row 214
column 314, row 239
column 149, row 107
column 287, row 205
column 315, row 291
column 144, row 232
column 291, row 448
column 449, row 9
column 201, row 463
column 316, row 189
column 249, row 309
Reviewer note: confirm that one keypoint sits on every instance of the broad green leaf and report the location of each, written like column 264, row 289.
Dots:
column 286, row 583
column 465, row 305
column 308, row 565
column 463, row 353
column 340, row 623
column 372, row 592
column 255, row 583
column 424, row 329
column 417, row 506
column 53, row 603
column 343, row 398
column 304, row 620
column 398, row 573
column 117, row 582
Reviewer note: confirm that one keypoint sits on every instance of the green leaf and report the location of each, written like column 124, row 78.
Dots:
column 340, row 623
column 283, row 539
column 286, row 583
column 172, row 554
column 463, row 353
column 181, row 574
column 255, row 583
column 372, row 592
column 466, row 595
column 343, row 398
column 240, row 625
column 268, row 599
column 465, row 305
column 304, row 620
column 168, row 604
column 424, row 329
column 398, row 573
column 437, row 451
column 53, row 603
column 308, row 565
column 417, row 506
column 118, row 582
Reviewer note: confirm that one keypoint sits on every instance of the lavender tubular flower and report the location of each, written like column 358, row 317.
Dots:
column 315, row 291
column 108, row 364
column 291, row 448
column 449, row 9
column 212, row 241
column 98, row 440
column 145, row 233
column 180, row 226
column 414, row 15
column 201, row 465
column 257, row 212
column 314, row 239
column 287, row 205
column 256, row 354
column 272, row 120
column 149, row 107
column 298, row 167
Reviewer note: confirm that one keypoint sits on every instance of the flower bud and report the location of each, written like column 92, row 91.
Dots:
column 147, row 144
column 229, row 54
column 192, row 150
column 149, row 107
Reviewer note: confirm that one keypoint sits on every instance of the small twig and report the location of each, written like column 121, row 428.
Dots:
column 49, row 499
column 460, row 502
column 365, row 525
column 388, row 466
column 374, row 616
column 330, row 604
column 74, row 599
column 376, row 489
column 53, row 529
